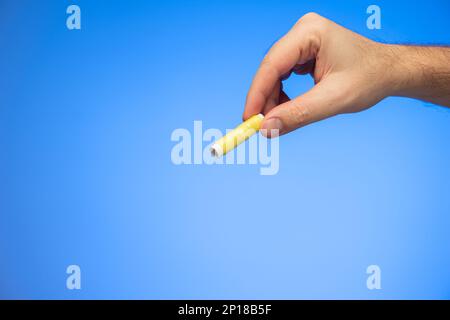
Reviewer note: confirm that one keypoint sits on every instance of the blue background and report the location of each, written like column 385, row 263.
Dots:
column 86, row 176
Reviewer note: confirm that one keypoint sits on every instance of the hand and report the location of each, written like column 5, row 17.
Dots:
column 351, row 73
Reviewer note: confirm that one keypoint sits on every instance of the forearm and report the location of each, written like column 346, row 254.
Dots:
column 422, row 73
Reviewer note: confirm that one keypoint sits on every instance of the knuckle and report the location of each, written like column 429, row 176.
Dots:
column 299, row 113
column 311, row 15
column 266, row 61
column 308, row 17
column 268, row 66
column 314, row 20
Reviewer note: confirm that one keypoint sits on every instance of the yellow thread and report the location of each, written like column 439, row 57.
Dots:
column 234, row 138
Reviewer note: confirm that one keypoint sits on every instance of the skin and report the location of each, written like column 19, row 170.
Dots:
column 351, row 73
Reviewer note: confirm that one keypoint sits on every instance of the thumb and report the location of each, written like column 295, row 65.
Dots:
column 324, row 100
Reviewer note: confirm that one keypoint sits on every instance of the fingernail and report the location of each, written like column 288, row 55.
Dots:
column 272, row 127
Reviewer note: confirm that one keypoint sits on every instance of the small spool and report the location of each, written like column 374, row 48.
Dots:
column 239, row 135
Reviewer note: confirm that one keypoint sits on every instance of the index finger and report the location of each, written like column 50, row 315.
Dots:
column 279, row 61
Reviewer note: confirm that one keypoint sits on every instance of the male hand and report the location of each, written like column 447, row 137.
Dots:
column 351, row 73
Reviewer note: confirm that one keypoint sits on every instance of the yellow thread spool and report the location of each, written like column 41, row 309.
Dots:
column 234, row 138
